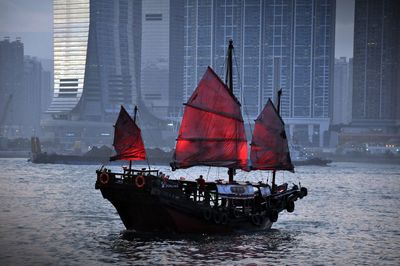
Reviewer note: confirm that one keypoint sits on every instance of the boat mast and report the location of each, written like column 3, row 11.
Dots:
column 279, row 113
column 134, row 120
column 229, row 83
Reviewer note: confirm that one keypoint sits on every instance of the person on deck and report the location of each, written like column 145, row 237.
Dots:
column 202, row 183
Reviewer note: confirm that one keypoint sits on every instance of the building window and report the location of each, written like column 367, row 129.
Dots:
column 152, row 17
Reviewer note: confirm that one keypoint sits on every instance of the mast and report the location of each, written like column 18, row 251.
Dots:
column 134, row 120
column 279, row 113
column 229, row 83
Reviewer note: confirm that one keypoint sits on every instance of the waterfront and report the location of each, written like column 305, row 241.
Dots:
column 51, row 214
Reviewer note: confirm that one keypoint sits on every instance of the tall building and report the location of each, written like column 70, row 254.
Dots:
column 376, row 86
column 162, row 56
column 342, row 93
column 278, row 44
column 32, row 97
column 96, row 66
column 11, row 87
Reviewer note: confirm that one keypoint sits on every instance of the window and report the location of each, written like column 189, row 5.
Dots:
column 153, row 17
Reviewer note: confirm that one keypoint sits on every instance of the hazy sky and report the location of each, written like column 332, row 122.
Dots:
column 32, row 21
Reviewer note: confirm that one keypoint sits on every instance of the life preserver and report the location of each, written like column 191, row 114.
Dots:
column 207, row 214
column 290, row 206
column 303, row 192
column 224, row 218
column 216, row 217
column 104, row 178
column 256, row 219
column 139, row 181
column 236, row 213
column 273, row 216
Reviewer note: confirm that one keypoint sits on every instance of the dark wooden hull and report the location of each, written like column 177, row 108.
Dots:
column 147, row 213
column 68, row 159
column 152, row 208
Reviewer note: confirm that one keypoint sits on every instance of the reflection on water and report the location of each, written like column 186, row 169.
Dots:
column 51, row 214
column 265, row 247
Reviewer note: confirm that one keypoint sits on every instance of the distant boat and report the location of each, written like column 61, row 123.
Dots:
column 300, row 158
column 211, row 134
column 94, row 156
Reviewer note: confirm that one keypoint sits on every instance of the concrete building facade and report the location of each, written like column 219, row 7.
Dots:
column 278, row 44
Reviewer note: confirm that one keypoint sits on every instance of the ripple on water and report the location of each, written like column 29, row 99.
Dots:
column 51, row 214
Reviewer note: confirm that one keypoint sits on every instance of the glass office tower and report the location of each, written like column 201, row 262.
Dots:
column 376, row 62
column 278, row 44
column 96, row 58
column 96, row 66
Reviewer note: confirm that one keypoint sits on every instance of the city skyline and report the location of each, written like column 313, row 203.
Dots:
column 131, row 42
column 37, row 37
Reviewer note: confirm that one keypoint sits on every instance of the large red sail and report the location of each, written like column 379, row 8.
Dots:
column 212, row 130
column 269, row 146
column 128, row 141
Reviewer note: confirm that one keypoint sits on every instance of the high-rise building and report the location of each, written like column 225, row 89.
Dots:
column 11, row 86
column 376, row 86
column 278, row 44
column 96, row 65
column 342, row 92
column 162, row 56
column 32, row 97
column 96, row 58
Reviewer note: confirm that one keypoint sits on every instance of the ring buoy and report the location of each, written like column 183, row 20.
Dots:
column 256, row 219
column 303, row 192
column 224, row 218
column 290, row 206
column 139, row 181
column 104, row 178
column 216, row 217
column 207, row 214
column 273, row 216
column 236, row 213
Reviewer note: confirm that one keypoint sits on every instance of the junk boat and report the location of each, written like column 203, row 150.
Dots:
column 211, row 134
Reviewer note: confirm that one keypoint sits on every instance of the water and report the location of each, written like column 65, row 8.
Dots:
column 52, row 215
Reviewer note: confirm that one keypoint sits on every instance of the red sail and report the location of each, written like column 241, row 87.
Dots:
column 212, row 130
column 269, row 147
column 128, row 141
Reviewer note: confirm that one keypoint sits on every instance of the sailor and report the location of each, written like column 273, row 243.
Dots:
column 202, row 183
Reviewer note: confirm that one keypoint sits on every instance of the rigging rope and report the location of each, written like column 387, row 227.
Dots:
column 138, row 117
column 242, row 93
column 208, row 172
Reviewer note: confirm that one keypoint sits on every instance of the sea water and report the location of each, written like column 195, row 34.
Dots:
column 52, row 215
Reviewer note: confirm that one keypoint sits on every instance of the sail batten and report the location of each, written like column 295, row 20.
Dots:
column 128, row 141
column 269, row 145
column 212, row 130
column 202, row 108
column 214, row 139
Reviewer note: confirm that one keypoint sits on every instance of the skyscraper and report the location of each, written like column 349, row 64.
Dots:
column 278, row 44
column 96, row 64
column 376, row 86
column 11, row 86
column 96, row 58
column 342, row 93
column 162, row 56
column 32, row 97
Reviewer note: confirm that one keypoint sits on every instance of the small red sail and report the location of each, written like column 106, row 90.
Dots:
column 212, row 130
column 269, row 146
column 128, row 141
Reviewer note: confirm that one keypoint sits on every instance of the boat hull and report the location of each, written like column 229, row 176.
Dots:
column 143, row 212
column 146, row 202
